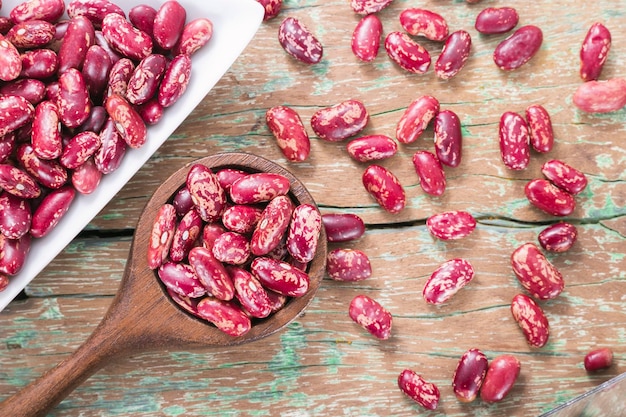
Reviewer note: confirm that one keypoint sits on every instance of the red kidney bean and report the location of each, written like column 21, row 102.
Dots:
column 48, row 10
column 175, row 80
column 161, row 236
column 241, row 219
column 430, row 172
column 559, row 237
column 495, row 20
column 372, row 148
column 206, row 193
column 226, row 316
column 231, row 248
column 168, row 24
column 51, row 210
column 500, row 379
column 348, row 265
column 272, row 226
column 341, row 227
column 14, row 253
column 448, row 138
column 210, row 232
column 112, row 148
column 227, row 176
column 549, row 198
column 17, row 182
column 340, row 121
column 142, row 17
column 125, row 38
column 535, row 272
column 10, row 61
column 418, row 389
column 451, row 225
column 259, row 187
column 407, row 53
column 15, row 112
column 96, row 120
column 211, row 273
column 416, row 118
column 385, row 187
column 601, row 96
column 15, row 216
column 195, row 35
column 79, row 37
column 540, row 128
column 49, row 173
column 186, row 235
column 86, row 177
column 182, row 201
column 7, row 145
column 31, row 89
column 519, row 48
column 80, row 148
column 74, row 103
column 250, row 293
column 288, row 129
column 514, row 141
column 188, row 304
column 272, row 8
column 144, row 81
column 151, row 111
column 454, row 55
column 369, row 6
column 531, row 319
column 181, row 279
column 447, row 280
column 371, row 315
column 96, row 67
column 128, row 122
column 119, row 75
column 280, row 276
column 299, row 42
column 39, row 64
column 597, row 359
column 422, row 22
column 366, row 38
column 564, row 176
column 304, row 232
column 31, row 34
column 594, row 51
column 469, row 375
column 94, row 10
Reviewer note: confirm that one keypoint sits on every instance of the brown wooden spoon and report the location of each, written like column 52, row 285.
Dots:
column 142, row 317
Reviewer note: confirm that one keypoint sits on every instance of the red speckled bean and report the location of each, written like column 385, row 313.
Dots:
column 128, row 122
column 272, row 226
column 447, row 280
column 46, row 136
column 226, row 316
column 597, row 359
column 241, row 219
column 451, row 225
column 371, row 315
column 39, row 64
column 86, row 177
column 151, row 111
column 535, row 273
column 280, row 276
column 594, row 51
column 119, row 75
column 142, row 17
column 418, row 389
column 431, row 174
column 291, row 136
column 250, row 293
column 125, row 38
column 187, row 233
column 258, row 187
column 206, row 193
column 48, row 10
column 298, row 41
column 14, row 253
column 469, row 375
column 601, row 96
column 31, row 89
column 454, row 55
column 514, row 141
column 51, row 210
column 519, row 48
column 15, row 112
column 212, row 273
column 341, row 227
column 416, row 118
column 366, row 38
column 94, row 10
column 549, row 198
column 31, row 34
column 304, row 232
column 112, row 148
column 10, row 61
column 495, row 20
column 15, row 216
column 231, row 248
column 49, row 173
column 564, row 176
column 181, row 279
column 175, row 80
column 96, row 68
column 73, row 104
column 559, row 237
column 182, row 201
column 272, row 8
column 531, row 319
column 385, row 187
column 78, row 149
column 369, row 6
column 372, row 148
column 348, row 265
column 540, row 128
column 168, row 24
column 407, row 53
column 144, row 81
column 7, row 146
column 340, row 121
column 500, row 379
column 422, row 22
column 161, row 236
column 195, row 35
column 448, row 138
column 79, row 36
column 17, row 182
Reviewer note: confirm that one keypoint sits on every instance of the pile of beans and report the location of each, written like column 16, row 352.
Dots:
column 519, row 135
column 75, row 93
column 232, row 246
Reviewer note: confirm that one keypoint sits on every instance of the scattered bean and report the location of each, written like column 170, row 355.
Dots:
column 601, row 96
column 531, row 319
column 371, row 315
column 369, row 6
column 519, row 48
column 451, row 225
column 340, row 121
column 598, row 359
column 431, row 174
column 418, row 389
column 422, row 22
column 594, row 51
column 407, row 53
column 535, row 272
column 342, row 227
column 469, row 375
column 514, row 141
column 564, row 176
column 416, row 118
column 447, row 280
column 549, row 198
column 348, row 265
column 500, row 379
column 291, row 136
column 540, row 128
column 385, row 187
column 372, row 148
column 559, row 237
column 454, row 55
column 298, row 41
column 495, row 20
column 448, row 138
column 366, row 38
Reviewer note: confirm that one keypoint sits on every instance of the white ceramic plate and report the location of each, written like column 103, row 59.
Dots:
column 234, row 24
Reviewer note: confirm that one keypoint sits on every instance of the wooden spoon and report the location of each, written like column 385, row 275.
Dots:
column 142, row 317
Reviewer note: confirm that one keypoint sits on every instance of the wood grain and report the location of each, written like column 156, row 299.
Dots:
column 323, row 364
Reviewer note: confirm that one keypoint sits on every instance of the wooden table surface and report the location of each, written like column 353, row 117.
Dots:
column 324, row 364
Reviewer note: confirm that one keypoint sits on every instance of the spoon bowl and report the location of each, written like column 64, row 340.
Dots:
column 143, row 317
